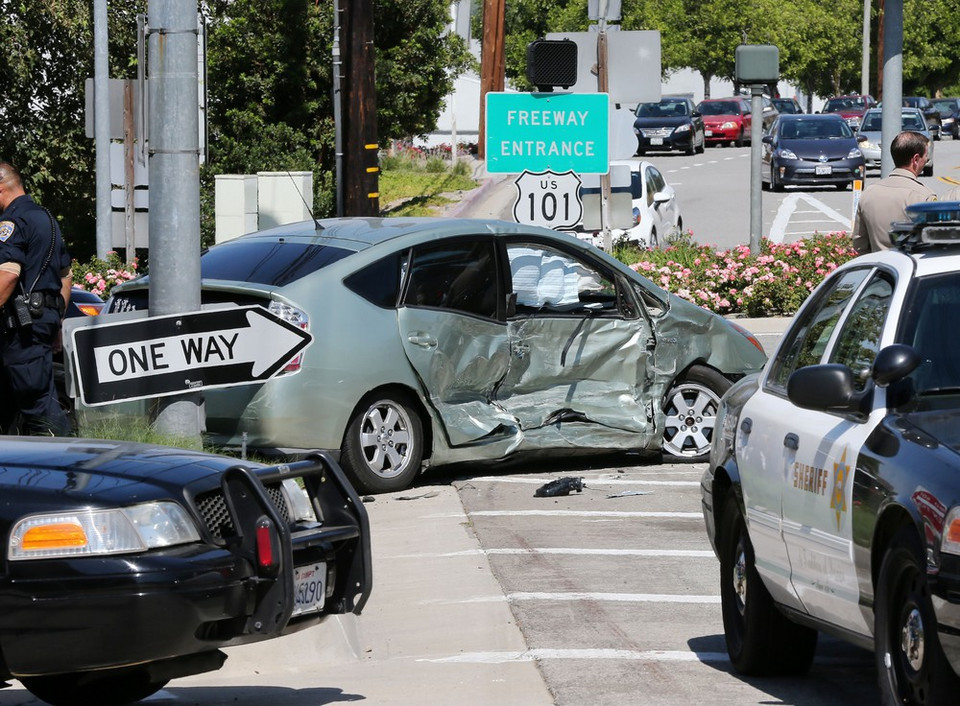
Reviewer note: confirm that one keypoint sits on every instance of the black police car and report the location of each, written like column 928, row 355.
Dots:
column 832, row 497
column 127, row 565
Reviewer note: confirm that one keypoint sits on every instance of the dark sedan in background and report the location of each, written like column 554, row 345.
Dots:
column 949, row 109
column 672, row 123
column 127, row 565
column 811, row 150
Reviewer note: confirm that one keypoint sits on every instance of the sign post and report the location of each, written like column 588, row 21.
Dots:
column 159, row 356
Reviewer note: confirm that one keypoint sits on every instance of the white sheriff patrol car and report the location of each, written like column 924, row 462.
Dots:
column 832, row 498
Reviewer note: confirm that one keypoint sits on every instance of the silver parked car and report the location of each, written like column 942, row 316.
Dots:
column 910, row 119
column 449, row 340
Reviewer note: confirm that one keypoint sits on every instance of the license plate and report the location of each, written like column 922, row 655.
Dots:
column 308, row 588
column 656, row 140
column 708, row 133
column 824, row 169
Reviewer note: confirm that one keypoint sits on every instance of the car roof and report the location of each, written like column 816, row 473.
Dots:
column 797, row 117
column 360, row 233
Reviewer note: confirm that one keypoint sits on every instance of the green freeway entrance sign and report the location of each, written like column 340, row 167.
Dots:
column 547, row 132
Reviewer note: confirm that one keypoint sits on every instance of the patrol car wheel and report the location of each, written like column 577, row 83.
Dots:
column 910, row 661
column 383, row 446
column 84, row 688
column 691, row 413
column 760, row 640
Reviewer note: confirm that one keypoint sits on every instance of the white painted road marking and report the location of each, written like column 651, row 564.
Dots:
column 538, row 654
column 668, row 553
column 778, row 229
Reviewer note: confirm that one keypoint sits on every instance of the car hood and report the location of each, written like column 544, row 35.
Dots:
column 47, row 474
column 662, row 122
column 814, row 149
column 932, row 427
column 722, row 117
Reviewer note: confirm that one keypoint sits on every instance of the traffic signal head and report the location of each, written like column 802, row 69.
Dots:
column 552, row 62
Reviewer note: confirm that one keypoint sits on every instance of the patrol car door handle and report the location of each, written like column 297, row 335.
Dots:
column 791, row 441
column 746, row 426
column 424, row 340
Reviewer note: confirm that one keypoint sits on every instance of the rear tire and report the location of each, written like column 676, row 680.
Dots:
column 85, row 688
column 383, row 446
column 761, row 641
column 911, row 665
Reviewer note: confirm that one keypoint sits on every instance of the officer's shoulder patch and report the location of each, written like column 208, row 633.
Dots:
column 6, row 230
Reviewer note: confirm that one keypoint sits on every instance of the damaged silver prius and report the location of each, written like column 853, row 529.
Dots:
column 446, row 340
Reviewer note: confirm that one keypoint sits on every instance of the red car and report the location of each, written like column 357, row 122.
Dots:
column 726, row 120
column 850, row 108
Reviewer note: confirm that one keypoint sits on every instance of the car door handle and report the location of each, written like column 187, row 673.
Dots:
column 746, row 426
column 791, row 441
column 424, row 340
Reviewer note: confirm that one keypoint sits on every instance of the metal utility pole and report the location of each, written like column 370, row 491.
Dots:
column 865, row 63
column 101, row 127
column 892, row 80
column 756, row 161
column 361, row 182
column 492, row 61
column 174, row 169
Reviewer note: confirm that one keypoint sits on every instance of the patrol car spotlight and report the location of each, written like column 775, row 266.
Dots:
column 552, row 62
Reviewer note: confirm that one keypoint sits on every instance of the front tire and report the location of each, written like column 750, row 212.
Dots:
column 383, row 445
column 85, row 688
column 910, row 661
column 760, row 639
column 691, row 413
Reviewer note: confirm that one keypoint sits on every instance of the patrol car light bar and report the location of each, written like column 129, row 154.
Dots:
column 931, row 223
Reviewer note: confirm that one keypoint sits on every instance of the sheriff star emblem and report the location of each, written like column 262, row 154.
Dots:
column 838, row 497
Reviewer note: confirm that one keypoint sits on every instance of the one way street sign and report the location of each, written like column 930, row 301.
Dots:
column 170, row 355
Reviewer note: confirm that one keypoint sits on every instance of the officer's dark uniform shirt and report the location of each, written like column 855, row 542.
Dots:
column 25, row 239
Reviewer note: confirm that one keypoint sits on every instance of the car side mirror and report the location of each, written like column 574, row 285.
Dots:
column 696, row 114
column 767, row 139
column 827, row 387
column 894, row 363
column 661, row 197
column 861, row 138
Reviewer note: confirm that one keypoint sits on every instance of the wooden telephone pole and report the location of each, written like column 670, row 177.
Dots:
column 360, row 176
column 492, row 61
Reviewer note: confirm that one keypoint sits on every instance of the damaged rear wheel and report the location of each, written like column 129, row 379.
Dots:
column 383, row 446
column 691, row 413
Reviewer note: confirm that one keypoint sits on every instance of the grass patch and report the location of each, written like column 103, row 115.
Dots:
column 411, row 187
column 130, row 428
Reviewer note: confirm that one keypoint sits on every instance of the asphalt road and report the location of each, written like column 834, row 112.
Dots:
column 714, row 193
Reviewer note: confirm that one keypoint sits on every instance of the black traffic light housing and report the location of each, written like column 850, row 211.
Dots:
column 552, row 62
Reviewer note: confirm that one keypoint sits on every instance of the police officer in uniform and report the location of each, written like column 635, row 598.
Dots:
column 34, row 264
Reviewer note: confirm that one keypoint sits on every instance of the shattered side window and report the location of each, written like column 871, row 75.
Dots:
column 460, row 276
column 548, row 281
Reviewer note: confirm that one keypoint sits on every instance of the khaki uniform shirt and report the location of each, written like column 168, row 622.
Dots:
column 884, row 203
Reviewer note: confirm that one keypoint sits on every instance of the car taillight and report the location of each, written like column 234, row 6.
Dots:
column 297, row 317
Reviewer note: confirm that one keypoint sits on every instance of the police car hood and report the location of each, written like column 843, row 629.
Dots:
column 46, row 473
column 936, row 426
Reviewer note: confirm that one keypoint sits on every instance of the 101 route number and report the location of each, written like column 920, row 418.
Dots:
column 548, row 199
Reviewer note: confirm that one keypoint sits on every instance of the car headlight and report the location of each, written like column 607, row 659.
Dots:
column 787, row 154
column 97, row 532
column 298, row 502
column 683, row 128
column 950, row 541
column 854, row 153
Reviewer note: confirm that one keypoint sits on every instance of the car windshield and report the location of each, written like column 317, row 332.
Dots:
column 663, row 109
column 266, row 261
column 933, row 298
column 719, row 108
column 785, row 106
column 815, row 129
column 836, row 104
column 873, row 122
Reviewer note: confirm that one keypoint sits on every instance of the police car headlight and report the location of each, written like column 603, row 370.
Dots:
column 950, row 541
column 100, row 532
column 298, row 502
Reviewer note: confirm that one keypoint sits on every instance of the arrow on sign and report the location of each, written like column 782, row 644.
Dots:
column 169, row 355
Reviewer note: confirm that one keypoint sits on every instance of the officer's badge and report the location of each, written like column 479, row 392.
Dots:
column 6, row 230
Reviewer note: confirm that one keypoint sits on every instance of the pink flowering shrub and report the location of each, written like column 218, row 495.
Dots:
column 773, row 283
column 100, row 276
